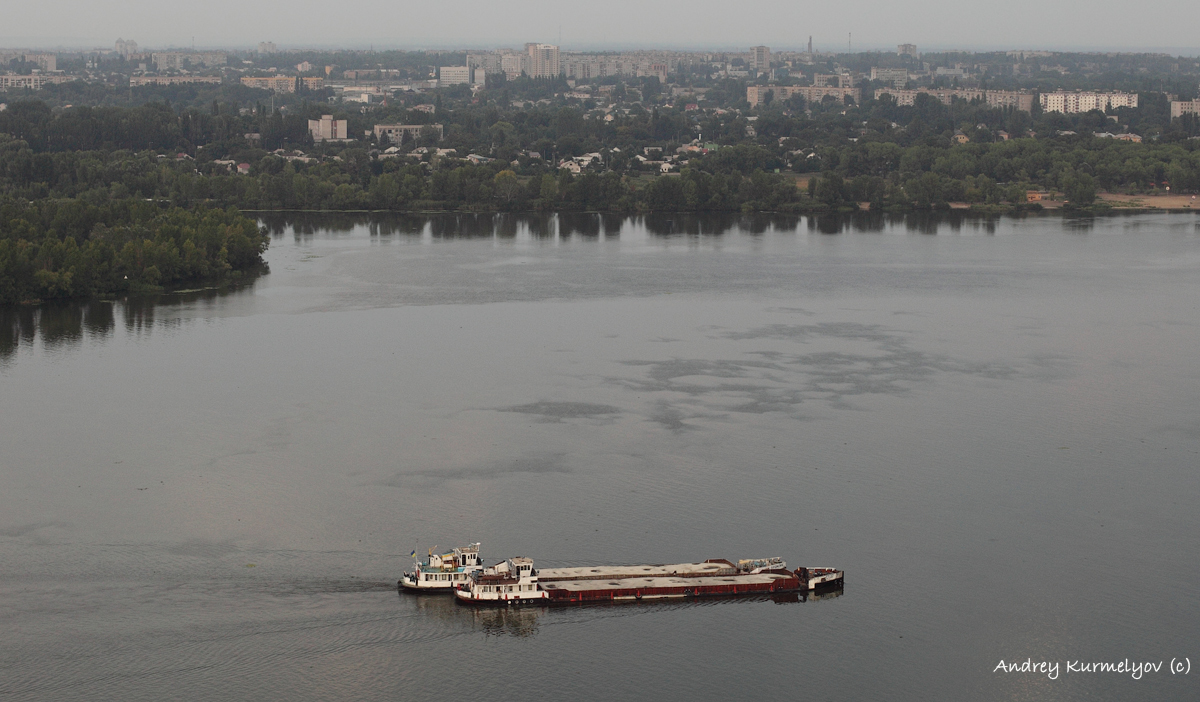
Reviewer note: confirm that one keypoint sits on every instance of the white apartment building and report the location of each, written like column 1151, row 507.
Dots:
column 543, row 60
column 1079, row 101
column 177, row 60
column 267, row 47
column 1180, row 108
column 760, row 58
column 125, row 48
column 327, row 128
column 453, row 75
column 896, row 76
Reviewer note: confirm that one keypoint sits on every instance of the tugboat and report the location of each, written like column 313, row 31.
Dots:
column 511, row 582
column 515, row 581
column 442, row 572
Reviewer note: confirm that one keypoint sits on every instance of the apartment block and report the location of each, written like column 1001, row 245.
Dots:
column 993, row 98
column 1180, row 108
column 46, row 62
column 896, row 76
column 760, row 58
column 267, row 47
column 33, row 82
column 757, row 94
column 178, row 60
column 172, row 80
column 125, row 48
column 513, row 65
column 396, row 133
column 1081, row 101
column 453, row 75
column 836, row 80
column 327, row 128
column 543, row 60
column 280, row 84
column 9, row 81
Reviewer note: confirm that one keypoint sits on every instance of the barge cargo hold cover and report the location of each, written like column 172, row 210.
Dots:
column 663, row 588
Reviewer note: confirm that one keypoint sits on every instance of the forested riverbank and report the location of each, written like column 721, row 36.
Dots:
column 56, row 248
column 97, row 201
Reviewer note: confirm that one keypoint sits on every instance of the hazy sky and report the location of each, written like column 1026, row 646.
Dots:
column 1100, row 24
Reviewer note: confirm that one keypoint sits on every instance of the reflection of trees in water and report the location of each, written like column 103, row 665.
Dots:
column 585, row 224
column 64, row 325
column 590, row 225
column 58, row 325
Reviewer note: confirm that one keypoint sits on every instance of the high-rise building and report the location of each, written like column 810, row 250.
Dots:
column 760, row 58
column 543, row 60
column 907, row 50
column 267, row 47
column 125, row 48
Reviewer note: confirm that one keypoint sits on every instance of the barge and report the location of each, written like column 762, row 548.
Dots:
column 442, row 572
column 515, row 581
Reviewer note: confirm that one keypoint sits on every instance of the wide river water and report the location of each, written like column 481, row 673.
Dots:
column 993, row 426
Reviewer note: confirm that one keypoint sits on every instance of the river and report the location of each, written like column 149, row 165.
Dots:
column 992, row 425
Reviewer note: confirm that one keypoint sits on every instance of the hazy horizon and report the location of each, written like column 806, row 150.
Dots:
column 621, row 24
column 68, row 45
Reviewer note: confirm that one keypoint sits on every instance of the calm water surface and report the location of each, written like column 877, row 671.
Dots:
column 992, row 426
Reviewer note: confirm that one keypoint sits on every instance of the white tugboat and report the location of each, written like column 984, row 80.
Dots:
column 512, row 582
column 443, row 572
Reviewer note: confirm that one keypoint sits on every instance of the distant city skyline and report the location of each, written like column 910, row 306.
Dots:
column 83, row 46
column 620, row 24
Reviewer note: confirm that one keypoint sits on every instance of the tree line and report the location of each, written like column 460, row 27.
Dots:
column 54, row 248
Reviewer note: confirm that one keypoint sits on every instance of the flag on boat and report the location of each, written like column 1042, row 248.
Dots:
column 413, row 554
